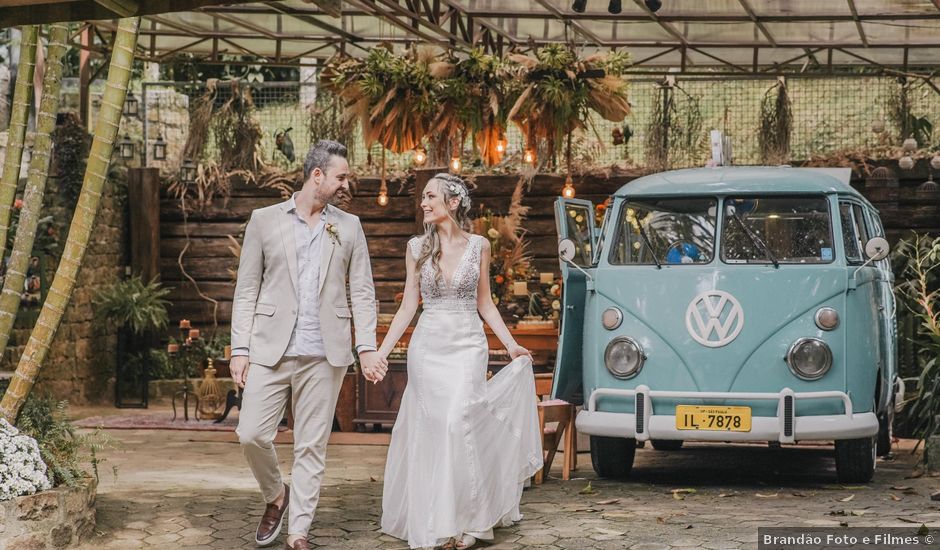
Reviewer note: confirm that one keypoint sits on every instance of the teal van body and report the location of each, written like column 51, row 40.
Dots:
column 729, row 304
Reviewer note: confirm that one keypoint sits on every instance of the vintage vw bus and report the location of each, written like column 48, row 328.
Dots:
column 728, row 304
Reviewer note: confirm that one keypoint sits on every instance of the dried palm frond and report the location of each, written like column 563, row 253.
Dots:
column 561, row 89
column 389, row 94
column 776, row 125
column 200, row 118
column 237, row 132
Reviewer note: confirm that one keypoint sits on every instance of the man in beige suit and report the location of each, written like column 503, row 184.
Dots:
column 291, row 334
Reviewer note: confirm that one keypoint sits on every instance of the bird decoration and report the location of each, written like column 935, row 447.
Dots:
column 284, row 143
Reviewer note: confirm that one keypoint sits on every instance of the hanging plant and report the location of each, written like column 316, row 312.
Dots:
column 470, row 96
column 560, row 89
column 389, row 94
column 776, row 125
column 909, row 125
column 674, row 134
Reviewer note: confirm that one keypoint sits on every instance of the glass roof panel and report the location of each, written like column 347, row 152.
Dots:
column 881, row 7
column 723, row 32
column 800, row 7
column 627, row 30
column 672, row 8
column 821, row 33
column 908, row 32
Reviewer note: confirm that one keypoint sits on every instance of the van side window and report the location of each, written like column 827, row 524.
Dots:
column 861, row 222
column 853, row 254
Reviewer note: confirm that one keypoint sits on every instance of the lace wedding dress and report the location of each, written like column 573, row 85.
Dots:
column 462, row 445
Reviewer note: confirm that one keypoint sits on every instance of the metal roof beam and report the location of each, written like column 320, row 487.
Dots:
column 577, row 26
column 666, row 26
column 483, row 22
column 311, row 20
column 757, row 22
column 858, row 22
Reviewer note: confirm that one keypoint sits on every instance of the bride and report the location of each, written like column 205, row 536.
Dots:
column 462, row 447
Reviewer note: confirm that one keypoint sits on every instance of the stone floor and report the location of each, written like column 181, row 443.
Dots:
column 178, row 489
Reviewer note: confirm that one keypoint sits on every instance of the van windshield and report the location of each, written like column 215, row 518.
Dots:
column 665, row 232
column 776, row 229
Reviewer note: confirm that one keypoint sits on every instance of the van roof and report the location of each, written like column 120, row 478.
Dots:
column 731, row 180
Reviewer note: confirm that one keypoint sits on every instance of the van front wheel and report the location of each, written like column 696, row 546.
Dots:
column 855, row 460
column 612, row 456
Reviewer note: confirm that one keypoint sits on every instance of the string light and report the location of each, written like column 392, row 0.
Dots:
column 568, row 190
column 529, row 156
column 421, row 156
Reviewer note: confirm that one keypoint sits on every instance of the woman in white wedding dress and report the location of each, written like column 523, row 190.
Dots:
column 462, row 446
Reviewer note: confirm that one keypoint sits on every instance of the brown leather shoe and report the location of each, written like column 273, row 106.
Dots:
column 271, row 521
column 300, row 544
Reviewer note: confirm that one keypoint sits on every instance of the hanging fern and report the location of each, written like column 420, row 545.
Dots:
column 776, row 125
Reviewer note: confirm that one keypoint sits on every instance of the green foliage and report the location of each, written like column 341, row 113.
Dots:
column 63, row 450
column 917, row 267
column 70, row 151
column 192, row 359
column 133, row 304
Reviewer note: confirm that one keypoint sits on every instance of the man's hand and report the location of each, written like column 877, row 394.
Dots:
column 238, row 366
column 374, row 366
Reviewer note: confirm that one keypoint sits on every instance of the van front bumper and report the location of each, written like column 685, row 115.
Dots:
column 785, row 427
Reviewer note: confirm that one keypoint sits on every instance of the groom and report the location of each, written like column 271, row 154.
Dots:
column 291, row 334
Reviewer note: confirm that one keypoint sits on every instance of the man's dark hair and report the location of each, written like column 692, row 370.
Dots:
column 321, row 154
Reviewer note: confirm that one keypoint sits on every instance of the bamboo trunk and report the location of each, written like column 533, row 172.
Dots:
column 35, row 184
column 83, row 221
column 17, row 131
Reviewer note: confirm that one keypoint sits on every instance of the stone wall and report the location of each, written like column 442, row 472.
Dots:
column 58, row 518
column 83, row 353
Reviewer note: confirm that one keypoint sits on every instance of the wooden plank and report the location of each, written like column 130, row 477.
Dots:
column 143, row 196
column 237, row 209
column 209, row 269
column 202, row 247
column 199, row 228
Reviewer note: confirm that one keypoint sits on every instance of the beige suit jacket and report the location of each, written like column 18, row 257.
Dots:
column 265, row 305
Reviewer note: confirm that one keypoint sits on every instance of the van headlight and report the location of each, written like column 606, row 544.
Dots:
column 809, row 358
column 624, row 357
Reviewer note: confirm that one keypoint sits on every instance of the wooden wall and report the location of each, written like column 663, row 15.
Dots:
column 208, row 259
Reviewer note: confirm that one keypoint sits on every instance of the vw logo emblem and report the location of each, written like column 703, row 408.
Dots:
column 714, row 318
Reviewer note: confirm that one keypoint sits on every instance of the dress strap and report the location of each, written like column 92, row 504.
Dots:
column 414, row 245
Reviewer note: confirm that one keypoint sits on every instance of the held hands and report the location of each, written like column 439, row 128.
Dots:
column 239, row 369
column 374, row 366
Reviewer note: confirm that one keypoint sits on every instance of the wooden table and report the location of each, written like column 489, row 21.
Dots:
column 378, row 404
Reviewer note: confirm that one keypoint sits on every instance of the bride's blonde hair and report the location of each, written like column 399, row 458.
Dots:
column 450, row 187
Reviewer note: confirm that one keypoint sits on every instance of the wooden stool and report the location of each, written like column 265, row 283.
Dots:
column 563, row 414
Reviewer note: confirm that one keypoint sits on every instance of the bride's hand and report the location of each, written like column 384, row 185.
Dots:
column 516, row 350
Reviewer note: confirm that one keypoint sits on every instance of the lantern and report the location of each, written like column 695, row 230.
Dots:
column 528, row 156
column 188, row 171
column 126, row 147
column 159, row 148
column 131, row 105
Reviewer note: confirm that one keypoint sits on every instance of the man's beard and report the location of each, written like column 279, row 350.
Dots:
column 341, row 199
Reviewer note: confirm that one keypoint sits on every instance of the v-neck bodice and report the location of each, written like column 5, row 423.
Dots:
column 460, row 293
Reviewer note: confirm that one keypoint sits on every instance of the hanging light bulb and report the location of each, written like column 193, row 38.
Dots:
column 382, row 199
column 501, row 145
column 455, row 165
column 528, row 156
column 421, row 156
column 568, row 190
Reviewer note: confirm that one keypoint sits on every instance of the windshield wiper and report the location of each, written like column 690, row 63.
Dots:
column 649, row 245
column 756, row 240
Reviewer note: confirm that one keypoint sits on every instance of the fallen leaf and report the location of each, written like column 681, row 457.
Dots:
column 683, row 491
column 901, row 488
column 585, row 510
column 858, row 512
column 915, row 474
column 843, row 524
column 603, row 531
column 661, row 520
column 907, row 520
column 838, row 513
column 372, row 478
column 726, row 495
column 606, row 502
column 688, row 526
column 774, row 495
column 677, row 496
column 911, row 492
column 799, row 494
column 617, row 515
column 587, row 490
column 894, row 497
column 846, row 499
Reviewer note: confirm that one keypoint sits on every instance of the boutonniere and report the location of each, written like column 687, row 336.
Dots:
column 333, row 233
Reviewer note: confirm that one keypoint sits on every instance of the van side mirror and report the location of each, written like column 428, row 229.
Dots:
column 566, row 251
column 877, row 248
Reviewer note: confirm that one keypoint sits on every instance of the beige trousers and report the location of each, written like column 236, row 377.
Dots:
column 314, row 385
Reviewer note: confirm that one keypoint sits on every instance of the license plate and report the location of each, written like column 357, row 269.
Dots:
column 727, row 419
